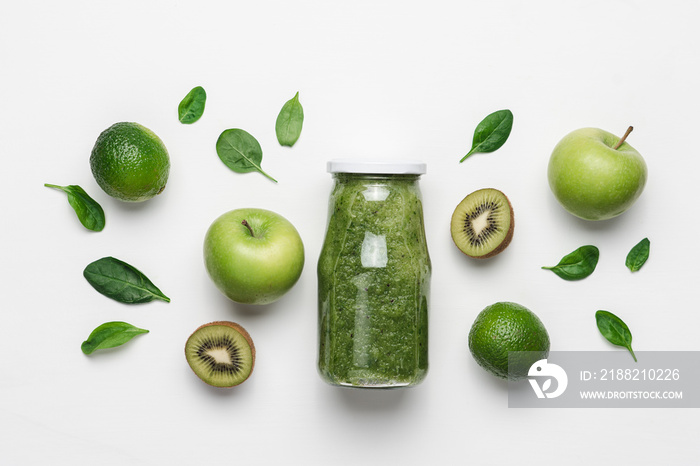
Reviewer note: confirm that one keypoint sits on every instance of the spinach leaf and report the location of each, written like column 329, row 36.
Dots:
column 240, row 152
column 289, row 122
column 89, row 212
column 578, row 264
column 192, row 106
column 638, row 255
column 109, row 335
column 121, row 282
column 491, row 133
column 614, row 330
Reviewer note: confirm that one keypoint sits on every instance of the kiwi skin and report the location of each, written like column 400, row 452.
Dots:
column 244, row 333
column 509, row 234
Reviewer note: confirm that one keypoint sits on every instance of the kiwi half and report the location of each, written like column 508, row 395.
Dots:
column 221, row 353
column 482, row 224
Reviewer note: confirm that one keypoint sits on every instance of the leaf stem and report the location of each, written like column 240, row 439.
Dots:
column 465, row 157
column 55, row 186
column 632, row 352
column 268, row 176
column 247, row 225
column 621, row 141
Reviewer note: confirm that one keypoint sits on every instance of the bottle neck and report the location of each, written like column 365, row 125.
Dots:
column 376, row 177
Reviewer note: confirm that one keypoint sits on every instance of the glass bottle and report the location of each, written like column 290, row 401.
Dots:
column 374, row 277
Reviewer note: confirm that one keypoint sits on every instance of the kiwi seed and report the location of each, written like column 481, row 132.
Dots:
column 482, row 224
column 221, row 353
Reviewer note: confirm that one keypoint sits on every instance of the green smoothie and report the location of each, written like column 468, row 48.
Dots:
column 373, row 283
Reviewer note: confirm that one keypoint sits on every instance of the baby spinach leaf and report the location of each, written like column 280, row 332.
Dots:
column 89, row 212
column 121, row 282
column 491, row 133
column 191, row 107
column 578, row 264
column 614, row 330
column 109, row 335
column 240, row 152
column 289, row 122
column 638, row 255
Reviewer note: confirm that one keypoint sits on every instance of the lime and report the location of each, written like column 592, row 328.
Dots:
column 504, row 327
column 130, row 162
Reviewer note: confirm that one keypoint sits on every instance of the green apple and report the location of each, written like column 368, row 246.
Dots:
column 596, row 175
column 253, row 256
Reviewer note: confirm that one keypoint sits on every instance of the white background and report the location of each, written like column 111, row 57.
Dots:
column 376, row 79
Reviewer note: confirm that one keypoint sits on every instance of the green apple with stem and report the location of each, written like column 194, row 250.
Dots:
column 596, row 175
column 253, row 256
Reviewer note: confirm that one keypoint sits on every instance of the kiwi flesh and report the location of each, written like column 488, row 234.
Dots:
column 221, row 353
column 482, row 224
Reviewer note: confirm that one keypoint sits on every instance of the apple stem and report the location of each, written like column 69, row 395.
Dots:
column 250, row 229
column 619, row 143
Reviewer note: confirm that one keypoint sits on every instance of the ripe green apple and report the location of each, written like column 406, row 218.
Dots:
column 253, row 256
column 592, row 177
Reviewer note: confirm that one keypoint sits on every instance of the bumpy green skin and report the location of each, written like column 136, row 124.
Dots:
column 129, row 162
column 504, row 327
column 591, row 179
column 373, row 321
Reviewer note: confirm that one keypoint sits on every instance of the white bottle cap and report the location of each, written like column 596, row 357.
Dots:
column 376, row 167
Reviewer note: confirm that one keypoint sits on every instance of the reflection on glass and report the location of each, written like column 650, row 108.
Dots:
column 375, row 193
column 373, row 253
